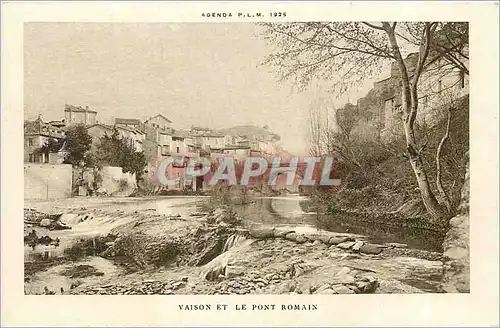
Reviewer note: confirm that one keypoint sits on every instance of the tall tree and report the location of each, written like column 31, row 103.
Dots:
column 76, row 145
column 114, row 150
column 346, row 53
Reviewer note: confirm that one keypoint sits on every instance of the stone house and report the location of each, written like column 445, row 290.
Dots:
column 36, row 134
column 159, row 122
column 97, row 131
column 79, row 115
column 131, row 123
column 134, row 136
column 207, row 139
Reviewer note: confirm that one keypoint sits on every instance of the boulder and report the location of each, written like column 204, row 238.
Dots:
column 322, row 236
column 370, row 249
column 298, row 238
column 341, row 289
column 343, row 279
column 366, row 287
column 338, row 240
column 234, row 270
column 262, row 232
column 45, row 222
column 357, row 246
column 346, row 245
column 456, row 256
column 281, row 233
column 323, row 290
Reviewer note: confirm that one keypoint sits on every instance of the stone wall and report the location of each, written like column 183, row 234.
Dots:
column 47, row 181
column 456, row 257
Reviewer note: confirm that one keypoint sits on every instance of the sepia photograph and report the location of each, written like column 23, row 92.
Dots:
column 243, row 158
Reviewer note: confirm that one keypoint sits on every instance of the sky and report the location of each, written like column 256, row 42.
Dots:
column 195, row 74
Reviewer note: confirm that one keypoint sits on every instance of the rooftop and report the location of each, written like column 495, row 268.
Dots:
column 39, row 127
column 71, row 108
column 158, row 115
column 128, row 121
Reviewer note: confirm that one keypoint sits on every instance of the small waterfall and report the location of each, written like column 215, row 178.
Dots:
column 234, row 240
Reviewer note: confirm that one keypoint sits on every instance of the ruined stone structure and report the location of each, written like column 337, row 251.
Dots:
column 456, row 257
column 380, row 110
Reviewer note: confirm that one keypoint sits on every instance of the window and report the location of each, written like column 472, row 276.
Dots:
column 30, row 158
column 165, row 149
column 30, row 142
column 177, row 149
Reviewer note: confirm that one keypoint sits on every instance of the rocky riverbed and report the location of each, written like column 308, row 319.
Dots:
column 216, row 253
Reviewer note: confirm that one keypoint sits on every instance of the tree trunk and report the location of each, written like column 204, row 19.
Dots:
column 409, row 98
column 431, row 204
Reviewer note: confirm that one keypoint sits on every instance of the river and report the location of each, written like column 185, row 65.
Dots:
column 288, row 211
column 282, row 211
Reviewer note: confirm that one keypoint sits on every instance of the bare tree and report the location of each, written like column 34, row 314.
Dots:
column 345, row 53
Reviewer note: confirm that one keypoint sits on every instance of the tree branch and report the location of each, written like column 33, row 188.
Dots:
column 374, row 26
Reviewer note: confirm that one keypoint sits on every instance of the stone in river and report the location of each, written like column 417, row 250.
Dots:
column 357, row 246
column 370, row 249
column 337, row 240
column 45, row 223
column 281, row 233
column 346, row 245
column 298, row 238
column 316, row 243
column 262, row 232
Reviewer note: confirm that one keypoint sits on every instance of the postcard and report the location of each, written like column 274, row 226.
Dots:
column 249, row 163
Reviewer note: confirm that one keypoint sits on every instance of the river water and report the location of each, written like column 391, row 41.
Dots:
column 288, row 211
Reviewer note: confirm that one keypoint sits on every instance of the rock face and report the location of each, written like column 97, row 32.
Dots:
column 456, row 262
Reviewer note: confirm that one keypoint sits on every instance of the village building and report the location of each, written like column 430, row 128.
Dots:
column 97, row 131
column 131, row 123
column 135, row 137
column 159, row 122
column 37, row 134
column 79, row 115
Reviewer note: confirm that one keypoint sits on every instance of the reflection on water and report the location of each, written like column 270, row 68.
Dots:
column 288, row 211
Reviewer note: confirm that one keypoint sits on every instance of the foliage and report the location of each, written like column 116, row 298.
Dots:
column 384, row 183
column 346, row 53
column 76, row 145
column 52, row 146
column 114, row 150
